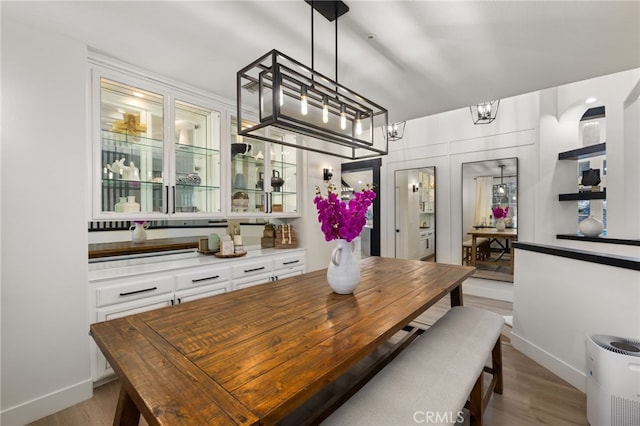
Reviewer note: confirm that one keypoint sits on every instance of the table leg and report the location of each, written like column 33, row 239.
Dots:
column 511, row 261
column 127, row 414
column 456, row 296
column 473, row 250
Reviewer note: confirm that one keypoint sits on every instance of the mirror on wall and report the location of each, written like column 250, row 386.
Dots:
column 415, row 215
column 490, row 217
column 355, row 176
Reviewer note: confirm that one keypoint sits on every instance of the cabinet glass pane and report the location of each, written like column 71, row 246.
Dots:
column 197, row 159
column 132, row 132
column 283, row 175
column 247, row 172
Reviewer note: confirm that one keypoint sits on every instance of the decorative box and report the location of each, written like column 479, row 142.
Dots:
column 285, row 237
column 226, row 247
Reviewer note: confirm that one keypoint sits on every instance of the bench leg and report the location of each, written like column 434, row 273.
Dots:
column 496, row 357
column 476, row 405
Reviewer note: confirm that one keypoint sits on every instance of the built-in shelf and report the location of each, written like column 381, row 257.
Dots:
column 586, row 195
column 585, row 152
column 606, row 240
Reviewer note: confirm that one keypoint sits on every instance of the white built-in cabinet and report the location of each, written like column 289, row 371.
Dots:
column 163, row 152
column 156, row 151
column 118, row 296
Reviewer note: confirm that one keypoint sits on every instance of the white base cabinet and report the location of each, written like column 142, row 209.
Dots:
column 115, row 297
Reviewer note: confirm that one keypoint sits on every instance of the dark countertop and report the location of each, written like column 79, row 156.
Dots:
column 122, row 248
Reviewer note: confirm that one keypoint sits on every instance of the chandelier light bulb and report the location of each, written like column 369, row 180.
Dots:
column 325, row 110
column 303, row 101
column 358, row 125
column 343, row 117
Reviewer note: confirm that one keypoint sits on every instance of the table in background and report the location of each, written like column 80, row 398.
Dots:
column 254, row 355
column 509, row 234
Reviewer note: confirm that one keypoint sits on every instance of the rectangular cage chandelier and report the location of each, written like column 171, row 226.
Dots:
column 299, row 107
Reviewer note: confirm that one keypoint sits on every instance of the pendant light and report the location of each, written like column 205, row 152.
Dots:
column 297, row 106
column 502, row 188
column 484, row 112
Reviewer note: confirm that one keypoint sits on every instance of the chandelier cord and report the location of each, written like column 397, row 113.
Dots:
column 312, row 44
column 336, row 6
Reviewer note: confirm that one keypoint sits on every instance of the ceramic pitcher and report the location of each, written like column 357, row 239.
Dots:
column 343, row 273
column 139, row 232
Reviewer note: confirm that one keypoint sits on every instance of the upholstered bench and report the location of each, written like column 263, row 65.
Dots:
column 483, row 247
column 434, row 377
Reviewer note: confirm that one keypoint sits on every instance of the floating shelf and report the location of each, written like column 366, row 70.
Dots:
column 580, row 237
column 586, row 152
column 596, row 195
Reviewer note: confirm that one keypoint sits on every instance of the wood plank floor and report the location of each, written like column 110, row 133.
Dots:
column 532, row 394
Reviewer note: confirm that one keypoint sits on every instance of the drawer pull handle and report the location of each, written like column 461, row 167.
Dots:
column 138, row 291
column 289, row 263
column 205, row 279
column 254, row 269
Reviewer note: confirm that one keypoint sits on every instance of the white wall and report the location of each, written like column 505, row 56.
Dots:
column 45, row 362
column 446, row 141
column 312, row 238
column 560, row 301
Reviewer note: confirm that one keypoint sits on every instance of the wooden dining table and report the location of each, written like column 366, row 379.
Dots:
column 255, row 355
column 509, row 235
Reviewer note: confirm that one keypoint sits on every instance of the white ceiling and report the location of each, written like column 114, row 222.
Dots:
column 426, row 56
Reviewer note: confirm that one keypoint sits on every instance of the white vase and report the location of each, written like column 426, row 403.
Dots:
column 139, row 232
column 131, row 206
column 591, row 227
column 500, row 225
column 119, row 207
column 343, row 273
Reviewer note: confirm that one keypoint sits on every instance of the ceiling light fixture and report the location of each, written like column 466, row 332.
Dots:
column 299, row 107
column 484, row 112
column 502, row 188
column 395, row 131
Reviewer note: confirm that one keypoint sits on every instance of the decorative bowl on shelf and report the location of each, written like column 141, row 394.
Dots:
column 240, row 148
column 189, row 179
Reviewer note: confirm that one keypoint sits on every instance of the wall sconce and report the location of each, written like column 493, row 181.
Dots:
column 395, row 131
column 415, row 188
column 327, row 174
column 484, row 112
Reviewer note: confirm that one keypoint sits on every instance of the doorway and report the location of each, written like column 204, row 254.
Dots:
column 356, row 176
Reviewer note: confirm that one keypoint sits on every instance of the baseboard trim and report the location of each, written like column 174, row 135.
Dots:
column 566, row 372
column 46, row 405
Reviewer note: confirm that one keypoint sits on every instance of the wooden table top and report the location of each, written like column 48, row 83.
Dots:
column 253, row 355
column 494, row 233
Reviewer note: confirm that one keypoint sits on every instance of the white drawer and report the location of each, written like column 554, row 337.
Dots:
column 247, row 269
column 203, row 276
column 288, row 261
column 133, row 290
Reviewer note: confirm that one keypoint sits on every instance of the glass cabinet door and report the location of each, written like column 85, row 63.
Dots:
column 248, row 173
column 132, row 149
column 197, row 160
column 263, row 176
column 283, row 180
column 148, row 168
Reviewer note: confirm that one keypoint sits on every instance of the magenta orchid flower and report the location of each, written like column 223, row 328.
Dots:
column 499, row 212
column 340, row 220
